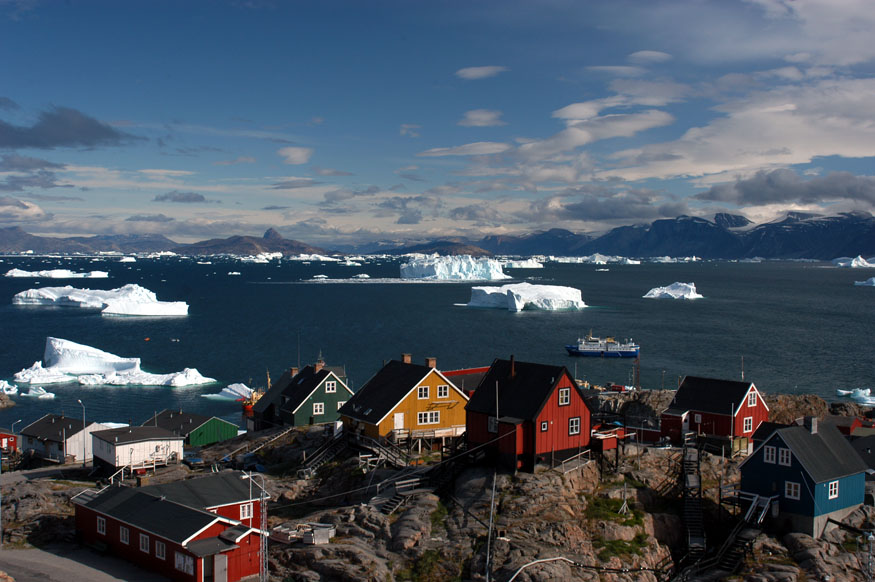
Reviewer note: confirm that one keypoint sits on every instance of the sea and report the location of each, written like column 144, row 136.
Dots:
column 789, row 327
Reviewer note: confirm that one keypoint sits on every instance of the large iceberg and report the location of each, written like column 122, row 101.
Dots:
column 674, row 291
column 524, row 264
column 459, row 268
column 520, row 296
column 67, row 362
column 870, row 282
column 857, row 262
column 128, row 300
column 57, row 274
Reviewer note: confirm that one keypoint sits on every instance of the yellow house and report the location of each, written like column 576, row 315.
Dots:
column 405, row 400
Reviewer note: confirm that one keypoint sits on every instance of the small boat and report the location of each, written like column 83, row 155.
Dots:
column 603, row 347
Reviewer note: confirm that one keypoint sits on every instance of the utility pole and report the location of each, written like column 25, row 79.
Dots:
column 85, row 436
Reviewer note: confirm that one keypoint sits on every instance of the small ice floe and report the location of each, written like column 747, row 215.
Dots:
column 127, row 260
column 57, row 274
column 234, row 273
column 320, row 277
column 236, row 391
column 870, row 282
column 8, row 389
column 520, row 296
column 674, row 291
column 38, row 392
column 361, row 276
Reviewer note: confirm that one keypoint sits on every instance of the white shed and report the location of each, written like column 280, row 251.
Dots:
column 136, row 447
column 59, row 438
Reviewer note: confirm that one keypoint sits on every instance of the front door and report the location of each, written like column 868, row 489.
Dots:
column 221, row 573
column 399, row 420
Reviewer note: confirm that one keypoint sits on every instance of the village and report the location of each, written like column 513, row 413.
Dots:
column 510, row 471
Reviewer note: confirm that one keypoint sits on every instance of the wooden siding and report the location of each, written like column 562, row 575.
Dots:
column 304, row 415
column 718, row 424
column 213, row 431
column 556, row 438
column 8, row 441
column 452, row 408
column 232, row 510
column 136, row 454
column 759, row 413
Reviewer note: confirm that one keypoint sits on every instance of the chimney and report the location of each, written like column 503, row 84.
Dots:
column 293, row 371
column 431, row 362
column 512, row 366
column 320, row 363
column 810, row 423
column 406, row 358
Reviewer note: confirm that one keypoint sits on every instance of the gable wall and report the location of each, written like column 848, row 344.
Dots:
column 452, row 408
column 768, row 479
column 304, row 416
column 556, row 438
column 213, row 431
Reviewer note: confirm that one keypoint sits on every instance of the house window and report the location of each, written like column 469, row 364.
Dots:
column 492, row 424
column 833, row 489
column 748, row 424
column 574, row 425
column 769, row 455
column 184, row 563
column 422, row 393
column 544, row 426
column 124, row 535
column 246, row 511
column 101, row 525
column 697, row 418
column 341, row 403
column 430, row 417
column 443, row 391
column 144, row 543
column 318, row 408
column 331, row 386
column 791, row 490
column 784, row 457
column 564, row 396
column 160, row 550
column 752, row 399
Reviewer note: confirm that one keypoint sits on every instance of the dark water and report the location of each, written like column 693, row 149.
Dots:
column 800, row 327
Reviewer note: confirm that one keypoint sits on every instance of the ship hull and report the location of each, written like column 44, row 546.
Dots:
column 575, row 351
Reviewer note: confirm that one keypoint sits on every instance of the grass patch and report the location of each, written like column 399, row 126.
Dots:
column 424, row 569
column 438, row 516
column 608, row 509
column 607, row 549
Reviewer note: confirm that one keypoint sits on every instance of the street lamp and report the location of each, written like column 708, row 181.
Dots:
column 13, row 426
column 84, row 436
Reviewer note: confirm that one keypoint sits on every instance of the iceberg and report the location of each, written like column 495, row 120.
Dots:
column 57, row 274
column 128, row 300
column 857, row 262
column 67, row 361
column 8, row 389
column 235, row 392
column 524, row 264
column 127, row 260
column 520, row 296
column 458, row 268
column 361, row 276
column 674, row 291
column 38, row 392
column 870, row 282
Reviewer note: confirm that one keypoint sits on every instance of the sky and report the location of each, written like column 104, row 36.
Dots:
column 348, row 122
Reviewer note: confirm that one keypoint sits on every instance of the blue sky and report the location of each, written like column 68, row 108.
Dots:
column 347, row 122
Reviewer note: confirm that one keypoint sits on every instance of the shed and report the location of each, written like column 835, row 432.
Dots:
column 198, row 430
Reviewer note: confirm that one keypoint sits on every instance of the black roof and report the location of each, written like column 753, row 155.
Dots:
column 865, row 447
column 210, row 547
column 162, row 517
column 825, row 454
column 296, row 387
column 304, row 383
column 384, row 391
column 135, row 434
column 710, row 395
column 765, row 430
column 179, row 422
column 214, row 490
column 53, row 427
column 521, row 394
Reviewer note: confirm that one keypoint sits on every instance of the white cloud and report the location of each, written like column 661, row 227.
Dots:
column 168, row 173
column 15, row 210
column 481, row 118
column 480, row 148
column 473, row 73
column 295, row 155
column 645, row 57
column 409, row 129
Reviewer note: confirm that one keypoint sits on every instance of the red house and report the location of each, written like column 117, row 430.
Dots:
column 725, row 409
column 524, row 413
column 8, row 441
column 170, row 530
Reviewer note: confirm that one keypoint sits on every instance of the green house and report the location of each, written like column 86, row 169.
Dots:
column 299, row 398
column 198, row 430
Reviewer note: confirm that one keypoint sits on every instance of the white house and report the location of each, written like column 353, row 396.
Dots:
column 136, row 447
column 59, row 438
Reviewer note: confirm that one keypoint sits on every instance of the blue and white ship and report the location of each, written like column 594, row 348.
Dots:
column 603, row 347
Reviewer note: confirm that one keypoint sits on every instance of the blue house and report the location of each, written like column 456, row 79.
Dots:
column 812, row 474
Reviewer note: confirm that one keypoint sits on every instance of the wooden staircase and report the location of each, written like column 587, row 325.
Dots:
column 324, row 454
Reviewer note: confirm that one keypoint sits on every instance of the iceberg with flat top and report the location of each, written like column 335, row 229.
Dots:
column 458, row 268
column 674, row 291
column 520, row 296
column 57, row 274
column 68, row 362
column 128, row 300
column 524, row 264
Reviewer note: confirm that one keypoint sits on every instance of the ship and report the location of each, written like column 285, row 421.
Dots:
column 603, row 347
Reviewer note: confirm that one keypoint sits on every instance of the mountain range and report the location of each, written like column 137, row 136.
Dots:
column 726, row 236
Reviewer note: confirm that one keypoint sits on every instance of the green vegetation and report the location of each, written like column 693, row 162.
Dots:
column 610, row 548
column 438, row 516
column 425, row 569
column 608, row 509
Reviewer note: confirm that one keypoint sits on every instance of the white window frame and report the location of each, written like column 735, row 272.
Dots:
column 160, row 550
column 769, row 455
column 124, row 535
column 184, row 563
column 245, row 511
column 833, row 490
column 784, row 457
column 318, row 408
column 340, row 403
column 564, row 396
column 422, row 393
column 331, row 386
column 747, row 425
column 492, row 424
column 544, row 425
column 573, row 425
column 791, row 490
column 144, row 543
column 752, row 399
column 697, row 418
column 443, row 391
column 428, row 417
column 101, row 525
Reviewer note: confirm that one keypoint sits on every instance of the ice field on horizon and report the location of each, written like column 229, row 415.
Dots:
column 674, row 291
column 68, row 362
column 520, row 296
column 130, row 300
